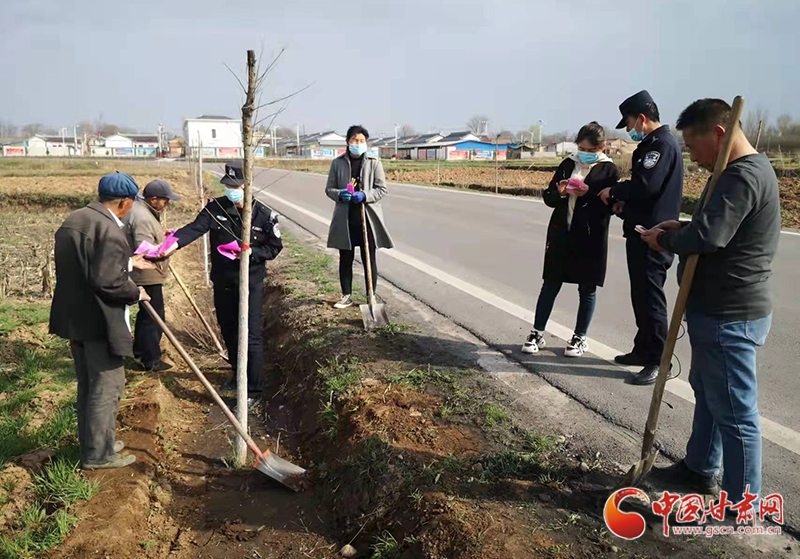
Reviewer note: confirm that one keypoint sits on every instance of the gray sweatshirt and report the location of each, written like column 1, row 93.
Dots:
column 736, row 234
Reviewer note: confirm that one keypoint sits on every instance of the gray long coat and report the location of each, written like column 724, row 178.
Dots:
column 374, row 183
column 92, row 282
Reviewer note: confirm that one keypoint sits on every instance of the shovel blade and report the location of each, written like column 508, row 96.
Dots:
column 639, row 470
column 280, row 470
column 375, row 317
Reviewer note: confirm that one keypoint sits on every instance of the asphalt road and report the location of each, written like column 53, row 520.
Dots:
column 478, row 259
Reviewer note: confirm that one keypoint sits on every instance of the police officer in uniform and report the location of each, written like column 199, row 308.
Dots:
column 222, row 218
column 652, row 195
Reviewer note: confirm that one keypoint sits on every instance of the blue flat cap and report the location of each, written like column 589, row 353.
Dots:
column 118, row 185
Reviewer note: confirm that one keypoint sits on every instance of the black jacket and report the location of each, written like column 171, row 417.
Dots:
column 92, row 282
column 222, row 219
column 655, row 190
column 578, row 254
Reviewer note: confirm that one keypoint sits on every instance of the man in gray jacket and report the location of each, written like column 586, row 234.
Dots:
column 143, row 223
column 729, row 310
column 91, row 309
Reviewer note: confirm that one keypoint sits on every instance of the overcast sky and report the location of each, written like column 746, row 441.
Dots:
column 427, row 63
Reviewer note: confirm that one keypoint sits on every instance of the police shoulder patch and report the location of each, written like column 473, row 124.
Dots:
column 651, row 159
column 276, row 230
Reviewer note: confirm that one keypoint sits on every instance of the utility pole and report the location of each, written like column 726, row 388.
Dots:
column 496, row 166
column 396, row 126
column 64, row 140
column 244, row 263
column 75, row 138
column 297, row 151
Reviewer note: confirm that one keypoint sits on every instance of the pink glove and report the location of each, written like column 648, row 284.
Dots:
column 350, row 188
column 229, row 250
column 148, row 249
column 577, row 185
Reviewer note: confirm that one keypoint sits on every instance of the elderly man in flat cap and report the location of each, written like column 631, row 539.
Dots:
column 144, row 223
column 91, row 308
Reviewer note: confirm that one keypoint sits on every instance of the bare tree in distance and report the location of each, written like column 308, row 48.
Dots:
column 7, row 128
column 32, row 129
column 405, row 131
column 785, row 124
column 752, row 120
column 508, row 135
column 478, row 124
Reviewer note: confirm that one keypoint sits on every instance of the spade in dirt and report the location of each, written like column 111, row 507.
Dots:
column 373, row 314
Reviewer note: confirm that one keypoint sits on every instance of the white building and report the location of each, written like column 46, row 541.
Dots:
column 55, row 146
column 221, row 137
column 130, row 145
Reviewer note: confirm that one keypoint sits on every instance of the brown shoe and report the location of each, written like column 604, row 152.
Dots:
column 117, row 461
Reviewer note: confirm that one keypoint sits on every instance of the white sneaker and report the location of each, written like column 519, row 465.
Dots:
column 576, row 347
column 346, row 301
column 534, row 342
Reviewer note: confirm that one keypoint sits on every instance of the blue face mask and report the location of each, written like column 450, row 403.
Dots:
column 587, row 158
column 357, row 150
column 235, row 195
column 635, row 135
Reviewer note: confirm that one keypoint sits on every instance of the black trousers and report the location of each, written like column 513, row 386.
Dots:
column 346, row 258
column 226, row 303
column 147, row 334
column 647, row 270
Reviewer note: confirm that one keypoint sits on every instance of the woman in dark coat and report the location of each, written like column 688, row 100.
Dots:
column 577, row 237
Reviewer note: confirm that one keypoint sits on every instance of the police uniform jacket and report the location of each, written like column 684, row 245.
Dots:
column 577, row 253
column 654, row 192
column 222, row 220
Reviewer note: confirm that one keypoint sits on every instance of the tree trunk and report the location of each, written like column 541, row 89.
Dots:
column 244, row 271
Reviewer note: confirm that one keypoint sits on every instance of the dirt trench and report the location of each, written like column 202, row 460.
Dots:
column 404, row 459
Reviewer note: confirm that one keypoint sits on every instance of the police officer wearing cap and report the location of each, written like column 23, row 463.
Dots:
column 145, row 223
column 221, row 218
column 652, row 195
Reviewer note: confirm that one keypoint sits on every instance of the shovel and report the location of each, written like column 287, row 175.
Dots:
column 373, row 314
column 222, row 353
column 267, row 463
column 649, row 454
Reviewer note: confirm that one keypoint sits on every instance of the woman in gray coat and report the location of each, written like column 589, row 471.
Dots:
column 364, row 171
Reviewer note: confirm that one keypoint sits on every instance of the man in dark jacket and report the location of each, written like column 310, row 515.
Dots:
column 729, row 310
column 143, row 223
column 222, row 219
column 652, row 195
column 91, row 308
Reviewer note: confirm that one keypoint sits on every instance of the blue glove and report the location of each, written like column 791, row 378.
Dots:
column 358, row 197
column 344, row 196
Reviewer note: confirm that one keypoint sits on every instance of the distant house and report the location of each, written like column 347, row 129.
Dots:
column 321, row 145
column 53, row 146
column 130, row 145
column 619, row 147
column 12, row 147
column 220, row 136
column 562, row 148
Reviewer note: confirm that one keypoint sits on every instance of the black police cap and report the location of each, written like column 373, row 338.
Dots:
column 234, row 174
column 634, row 106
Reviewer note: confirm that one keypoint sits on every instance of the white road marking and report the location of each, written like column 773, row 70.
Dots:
column 770, row 430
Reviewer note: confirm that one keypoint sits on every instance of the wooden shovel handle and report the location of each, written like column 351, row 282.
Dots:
column 228, row 414
column 202, row 318
column 370, row 294
column 686, row 284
